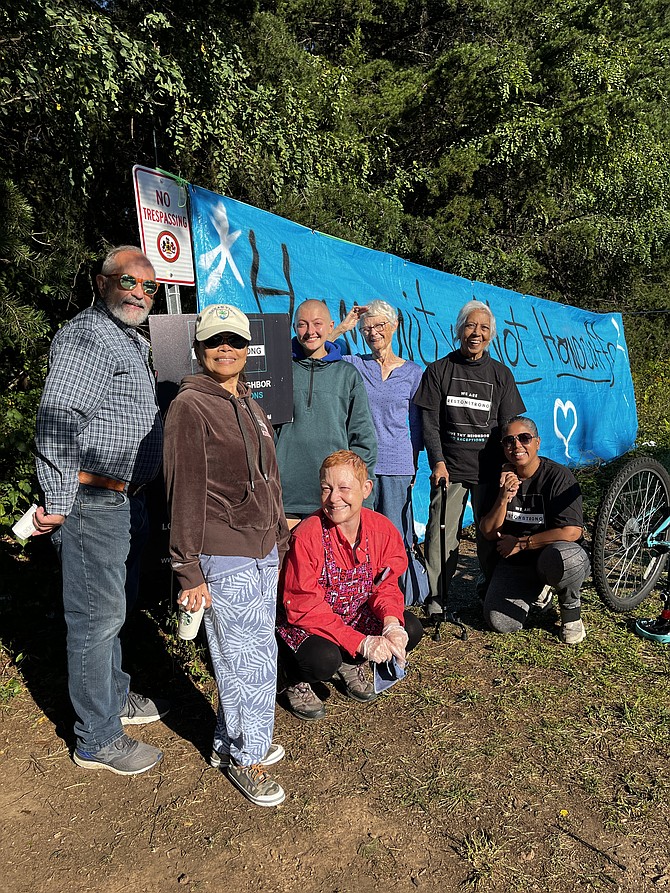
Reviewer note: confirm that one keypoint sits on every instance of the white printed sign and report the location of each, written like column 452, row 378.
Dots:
column 162, row 215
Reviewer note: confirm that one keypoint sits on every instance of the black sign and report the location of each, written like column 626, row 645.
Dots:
column 268, row 372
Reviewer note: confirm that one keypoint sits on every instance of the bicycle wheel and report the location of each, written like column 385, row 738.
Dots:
column 625, row 569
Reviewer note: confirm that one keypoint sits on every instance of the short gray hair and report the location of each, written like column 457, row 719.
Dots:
column 378, row 308
column 469, row 308
column 529, row 423
column 109, row 263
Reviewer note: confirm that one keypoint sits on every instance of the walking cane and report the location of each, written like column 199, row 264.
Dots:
column 445, row 616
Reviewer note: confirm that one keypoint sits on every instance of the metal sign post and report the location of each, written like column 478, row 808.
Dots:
column 172, row 299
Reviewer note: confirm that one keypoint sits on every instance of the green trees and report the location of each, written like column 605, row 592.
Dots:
column 517, row 143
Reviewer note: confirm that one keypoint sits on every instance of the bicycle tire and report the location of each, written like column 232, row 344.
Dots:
column 625, row 569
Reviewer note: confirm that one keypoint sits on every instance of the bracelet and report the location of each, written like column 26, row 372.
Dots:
column 529, row 542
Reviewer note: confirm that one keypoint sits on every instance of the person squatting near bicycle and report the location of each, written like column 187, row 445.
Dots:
column 536, row 521
column 228, row 535
column 342, row 606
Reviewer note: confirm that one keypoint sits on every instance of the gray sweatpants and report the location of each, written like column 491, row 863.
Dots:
column 439, row 574
column 514, row 587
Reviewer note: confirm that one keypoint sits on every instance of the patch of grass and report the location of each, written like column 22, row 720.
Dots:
column 9, row 689
column 469, row 696
column 633, row 797
column 437, row 784
column 525, row 694
column 10, row 684
column 483, row 854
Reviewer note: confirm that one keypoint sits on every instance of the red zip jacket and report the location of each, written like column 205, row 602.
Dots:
column 305, row 600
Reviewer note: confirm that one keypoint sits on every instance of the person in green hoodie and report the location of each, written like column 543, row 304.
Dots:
column 330, row 412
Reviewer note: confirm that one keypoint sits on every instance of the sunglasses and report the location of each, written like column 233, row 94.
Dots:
column 523, row 438
column 237, row 342
column 128, row 283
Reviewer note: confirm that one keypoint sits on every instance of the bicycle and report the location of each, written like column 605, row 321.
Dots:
column 631, row 541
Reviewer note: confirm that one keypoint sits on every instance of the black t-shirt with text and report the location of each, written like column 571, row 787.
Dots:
column 548, row 500
column 474, row 398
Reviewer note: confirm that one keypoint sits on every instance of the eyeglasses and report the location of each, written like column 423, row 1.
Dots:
column 128, row 283
column 523, row 438
column 378, row 328
column 236, row 341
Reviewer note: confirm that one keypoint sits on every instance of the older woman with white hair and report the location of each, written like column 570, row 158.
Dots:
column 465, row 398
column 391, row 383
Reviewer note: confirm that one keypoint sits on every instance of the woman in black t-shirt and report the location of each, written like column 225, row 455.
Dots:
column 464, row 398
column 536, row 522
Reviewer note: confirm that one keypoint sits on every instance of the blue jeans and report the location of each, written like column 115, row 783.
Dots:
column 99, row 546
column 393, row 499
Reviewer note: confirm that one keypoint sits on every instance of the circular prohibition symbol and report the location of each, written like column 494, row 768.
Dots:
column 168, row 246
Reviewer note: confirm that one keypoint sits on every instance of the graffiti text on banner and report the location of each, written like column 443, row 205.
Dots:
column 571, row 366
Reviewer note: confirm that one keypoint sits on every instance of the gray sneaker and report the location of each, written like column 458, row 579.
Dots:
column 138, row 711
column 573, row 632
column 359, row 686
column 304, row 703
column 255, row 784
column 125, row 756
column 274, row 754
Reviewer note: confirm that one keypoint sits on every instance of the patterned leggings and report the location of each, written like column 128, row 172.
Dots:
column 240, row 631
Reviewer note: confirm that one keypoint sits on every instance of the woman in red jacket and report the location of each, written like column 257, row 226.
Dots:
column 342, row 606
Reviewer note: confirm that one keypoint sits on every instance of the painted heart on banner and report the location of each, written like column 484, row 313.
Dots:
column 562, row 422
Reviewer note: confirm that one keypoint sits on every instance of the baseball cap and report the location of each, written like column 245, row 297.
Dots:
column 217, row 318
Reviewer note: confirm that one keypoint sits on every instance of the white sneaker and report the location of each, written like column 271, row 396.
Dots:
column 543, row 602
column 573, row 632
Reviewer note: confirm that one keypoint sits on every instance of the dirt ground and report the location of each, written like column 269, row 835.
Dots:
column 462, row 777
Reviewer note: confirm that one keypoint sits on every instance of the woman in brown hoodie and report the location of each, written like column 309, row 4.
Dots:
column 228, row 535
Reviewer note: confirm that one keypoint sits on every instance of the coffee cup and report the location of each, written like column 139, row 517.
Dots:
column 189, row 621
column 24, row 527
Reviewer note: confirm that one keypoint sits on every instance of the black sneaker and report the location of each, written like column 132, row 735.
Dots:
column 138, row 710
column 125, row 756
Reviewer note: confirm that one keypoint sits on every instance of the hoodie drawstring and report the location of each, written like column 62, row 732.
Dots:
column 247, row 446
column 261, row 439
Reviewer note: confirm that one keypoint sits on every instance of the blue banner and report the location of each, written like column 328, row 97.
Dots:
column 571, row 366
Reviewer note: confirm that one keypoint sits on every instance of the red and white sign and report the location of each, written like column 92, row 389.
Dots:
column 162, row 214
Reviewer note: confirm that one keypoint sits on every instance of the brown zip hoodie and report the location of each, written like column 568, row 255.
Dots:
column 221, row 478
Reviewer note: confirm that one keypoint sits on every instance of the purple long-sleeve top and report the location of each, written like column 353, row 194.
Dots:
column 396, row 419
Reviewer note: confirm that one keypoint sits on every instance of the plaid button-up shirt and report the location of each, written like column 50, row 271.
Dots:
column 98, row 411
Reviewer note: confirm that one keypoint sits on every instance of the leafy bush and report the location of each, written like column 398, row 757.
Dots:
column 652, row 391
column 18, row 485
